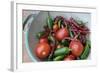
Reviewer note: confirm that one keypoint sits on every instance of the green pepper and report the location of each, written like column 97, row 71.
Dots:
column 64, row 43
column 49, row 22
column 62, row 51
column 58, row 58
column 39, row 34
column 86, row 51
column 71, row 33
column 51, row 38
column 59, row 23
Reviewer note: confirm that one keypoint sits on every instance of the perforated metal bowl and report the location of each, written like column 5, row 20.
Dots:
column 35, row 22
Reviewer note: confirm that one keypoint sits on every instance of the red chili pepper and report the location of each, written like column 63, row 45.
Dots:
column 72, row 21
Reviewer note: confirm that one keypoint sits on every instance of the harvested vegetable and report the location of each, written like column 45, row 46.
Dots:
column 55, row 27
column 77, row 47
column 49, row 21
column 61, row 34
column 40, row 34
column 62, row 51
column 86, row 51
column 58, row 58
column 69, row 57
column 43, row 40
column 63, row 39
column 42, row 50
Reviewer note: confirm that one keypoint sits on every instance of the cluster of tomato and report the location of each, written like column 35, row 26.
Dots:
column 49, row 47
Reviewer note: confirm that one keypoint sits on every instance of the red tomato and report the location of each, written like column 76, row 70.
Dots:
column 76, row 47
column 42, row 50
column 61, row 34
column 69, row 57
column 43, row 40
column 55, row 27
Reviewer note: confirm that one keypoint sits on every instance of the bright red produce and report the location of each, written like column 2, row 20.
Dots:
column 76, row 47
column 69, row 57
column 43, row 40
column 62, row 33
column 42, row 50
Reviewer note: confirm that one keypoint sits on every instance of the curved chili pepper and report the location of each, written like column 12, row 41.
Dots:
column 72, row 21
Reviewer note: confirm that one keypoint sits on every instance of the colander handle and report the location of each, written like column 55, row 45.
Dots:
column 28, row 21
